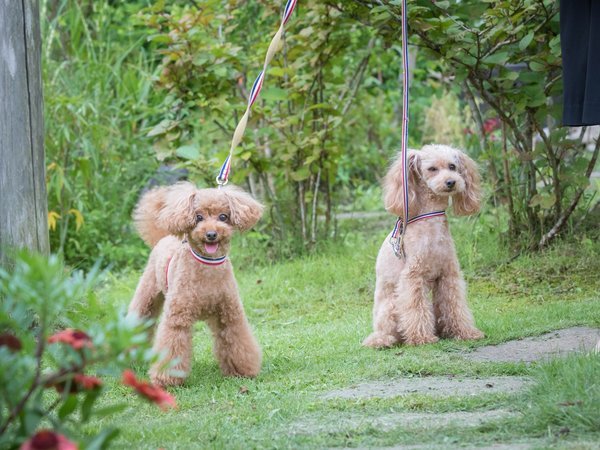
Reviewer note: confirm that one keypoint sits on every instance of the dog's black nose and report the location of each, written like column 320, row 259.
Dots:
column 211, row 235
column 450, row 184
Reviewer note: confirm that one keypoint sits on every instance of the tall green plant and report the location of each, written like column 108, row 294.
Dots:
column 98, row 98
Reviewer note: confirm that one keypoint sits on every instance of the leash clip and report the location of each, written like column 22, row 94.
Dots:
column 397, row 239
column 221, row 183
column 398, row 246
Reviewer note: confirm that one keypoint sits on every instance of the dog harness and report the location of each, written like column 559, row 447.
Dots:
column 398, row 233
column 201, row 259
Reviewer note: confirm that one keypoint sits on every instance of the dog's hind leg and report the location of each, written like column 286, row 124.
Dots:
column 148, row 299
column 416, row 320
column 453, row 317
column 235, row 347
column 385, row 318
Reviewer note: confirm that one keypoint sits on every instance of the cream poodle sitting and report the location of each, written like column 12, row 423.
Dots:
column 421, row 295
column 189, row 273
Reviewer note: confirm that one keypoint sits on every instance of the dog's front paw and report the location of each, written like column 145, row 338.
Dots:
column 162, row 378
column 379, row 340
column 470, row 334
column 420, row 340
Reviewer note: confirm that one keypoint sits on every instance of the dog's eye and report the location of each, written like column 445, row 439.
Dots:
column 432, row 169
column 199, row 218
column 223, row 217
column 452, row 167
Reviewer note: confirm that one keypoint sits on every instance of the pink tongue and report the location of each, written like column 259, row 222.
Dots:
column 211, row 248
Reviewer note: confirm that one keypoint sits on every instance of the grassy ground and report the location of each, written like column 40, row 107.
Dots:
column 310, row 316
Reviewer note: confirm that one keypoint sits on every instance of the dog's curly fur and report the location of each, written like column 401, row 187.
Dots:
column 422, row 296
column 171, row 220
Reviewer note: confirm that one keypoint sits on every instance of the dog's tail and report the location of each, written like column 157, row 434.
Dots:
column 145, row 215
column 165, row 210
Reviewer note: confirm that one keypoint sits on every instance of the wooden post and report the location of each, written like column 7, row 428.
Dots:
column 23, row 202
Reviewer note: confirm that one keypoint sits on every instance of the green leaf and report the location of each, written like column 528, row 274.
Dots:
column 110, row 410
column 160, row 38
column 85, row 168
column 279, row 71
column 524, row 43
column 162, row 128
column 69, row 405
column 189, row 152
column 274, row 93
column 301, row 174
column 88, row 404
column 496, row 58
column 536, row 66
column 30, row 420
column 544, row 201
column 324, row 106
column 102, row 440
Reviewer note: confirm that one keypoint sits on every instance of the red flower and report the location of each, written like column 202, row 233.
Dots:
column 491, row 125
column 79, row 383
column 75, row 338
column 10, row 341
column 150, row 391
column 48, row 440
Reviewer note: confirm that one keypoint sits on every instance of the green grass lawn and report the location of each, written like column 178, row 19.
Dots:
column 310, row 316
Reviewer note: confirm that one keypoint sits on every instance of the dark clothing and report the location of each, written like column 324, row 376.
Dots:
column 580, row 44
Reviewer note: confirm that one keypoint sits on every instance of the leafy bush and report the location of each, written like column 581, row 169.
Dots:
column 51, row 376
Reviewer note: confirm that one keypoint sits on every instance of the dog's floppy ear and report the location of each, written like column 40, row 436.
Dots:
column 177, row 214
column 393, row 199
column 244, row 210
column 468, row 201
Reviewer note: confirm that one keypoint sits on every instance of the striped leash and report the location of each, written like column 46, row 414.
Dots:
column 397, row 237
column 223, row 176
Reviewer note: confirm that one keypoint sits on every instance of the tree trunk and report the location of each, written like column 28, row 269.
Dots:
column 23, row 203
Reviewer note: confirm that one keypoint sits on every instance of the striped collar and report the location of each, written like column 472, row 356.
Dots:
column 398, row 229
column 397, row 236
column 207, row 261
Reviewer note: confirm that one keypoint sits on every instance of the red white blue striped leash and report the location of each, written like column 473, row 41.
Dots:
column 398, row 235
column 223, row 176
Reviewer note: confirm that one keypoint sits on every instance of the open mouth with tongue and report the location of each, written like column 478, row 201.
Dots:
column 211, row 247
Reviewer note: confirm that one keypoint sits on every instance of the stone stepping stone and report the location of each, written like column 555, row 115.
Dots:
column 346, row 422
column 438, row 386
column 533, row 444
column 546, row 346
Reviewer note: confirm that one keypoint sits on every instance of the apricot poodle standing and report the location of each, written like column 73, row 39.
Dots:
column 422, row 296
column 189, row 273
